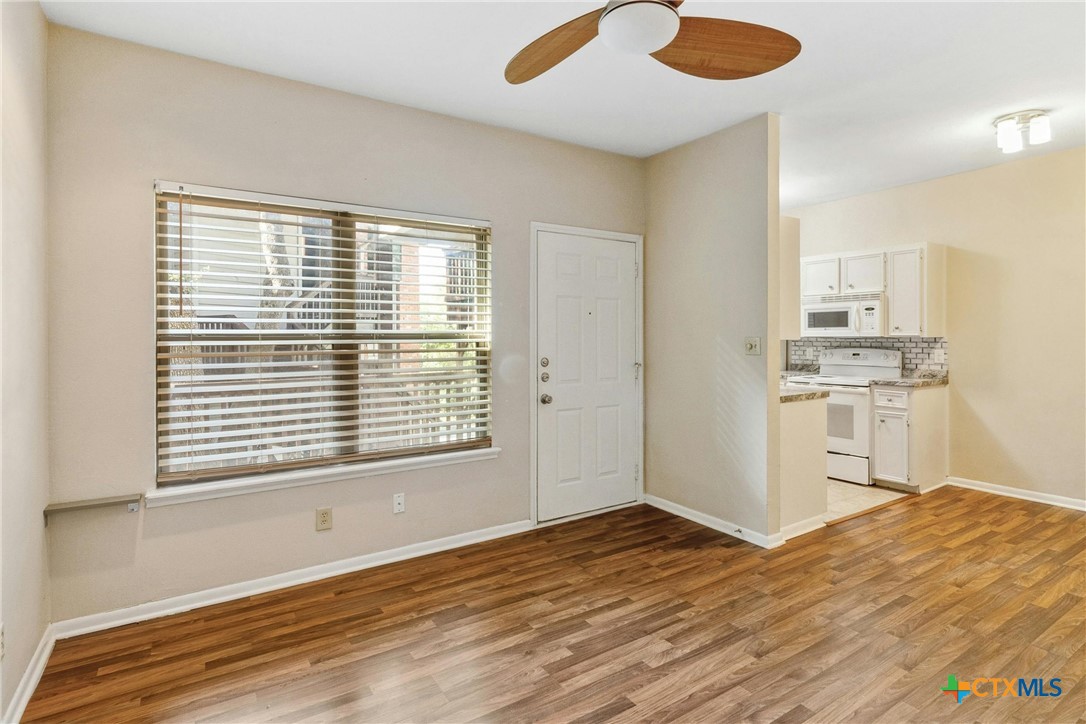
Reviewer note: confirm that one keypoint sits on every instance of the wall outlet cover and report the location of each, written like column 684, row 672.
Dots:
column 399, row 503
column 324, row 519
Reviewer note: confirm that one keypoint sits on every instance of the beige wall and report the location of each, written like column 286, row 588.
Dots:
column 24, row 470
column 710, row 408
column 803, row 461
column 122, row 115
column 1016, row 316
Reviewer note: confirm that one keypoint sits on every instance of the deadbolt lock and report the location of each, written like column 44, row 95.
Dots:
column 544, row 362
column 545, row 377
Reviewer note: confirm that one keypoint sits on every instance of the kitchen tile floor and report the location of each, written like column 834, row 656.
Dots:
column 845, row 499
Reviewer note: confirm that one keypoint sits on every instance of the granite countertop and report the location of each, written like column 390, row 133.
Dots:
column 917, row 379
column 914, row 379
column 799, row 393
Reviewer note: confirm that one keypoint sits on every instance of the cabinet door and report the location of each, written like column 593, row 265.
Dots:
column 862, row 273
column 891, row 449
column 819, row 276
column 906, row 293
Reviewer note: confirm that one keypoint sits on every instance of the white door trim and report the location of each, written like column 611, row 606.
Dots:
column 638, row 241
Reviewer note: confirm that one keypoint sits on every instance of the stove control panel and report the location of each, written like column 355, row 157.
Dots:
column 861, row 356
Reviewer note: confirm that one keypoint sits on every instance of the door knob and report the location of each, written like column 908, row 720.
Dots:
column 546, row 399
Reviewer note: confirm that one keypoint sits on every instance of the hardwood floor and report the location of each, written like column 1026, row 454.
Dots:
column 629, row 616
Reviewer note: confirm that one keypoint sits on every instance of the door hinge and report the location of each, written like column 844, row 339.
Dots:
column 637, row 270
column 637, row 472
column 637, row 370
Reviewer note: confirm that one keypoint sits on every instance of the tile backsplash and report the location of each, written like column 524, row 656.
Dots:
column 918, row 353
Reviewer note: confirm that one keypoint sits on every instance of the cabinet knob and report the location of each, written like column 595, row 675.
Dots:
column 851, row 287
column 897, row 329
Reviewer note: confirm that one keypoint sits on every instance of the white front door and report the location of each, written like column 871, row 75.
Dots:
column 587, row 403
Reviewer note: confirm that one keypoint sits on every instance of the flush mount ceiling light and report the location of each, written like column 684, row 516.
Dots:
column 1009, row 129
column 638, row 27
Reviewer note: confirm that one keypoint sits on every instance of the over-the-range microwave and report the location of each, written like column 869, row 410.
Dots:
column 846, row 318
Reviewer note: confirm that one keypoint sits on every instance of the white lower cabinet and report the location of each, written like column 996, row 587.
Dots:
column 891, row 440
column 909, row 436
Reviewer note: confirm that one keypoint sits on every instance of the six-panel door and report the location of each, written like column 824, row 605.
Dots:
column 586, row 342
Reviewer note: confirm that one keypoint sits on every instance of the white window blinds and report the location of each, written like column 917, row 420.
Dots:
column 291, row 336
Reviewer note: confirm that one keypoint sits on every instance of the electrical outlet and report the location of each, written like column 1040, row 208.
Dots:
column 938, row 356
column 324, row 519
column 399, row 505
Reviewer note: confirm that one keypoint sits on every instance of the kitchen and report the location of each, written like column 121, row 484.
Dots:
column 864, row 339
column 1008, row 312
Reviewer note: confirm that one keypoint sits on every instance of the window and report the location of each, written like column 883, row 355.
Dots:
column 291, row 334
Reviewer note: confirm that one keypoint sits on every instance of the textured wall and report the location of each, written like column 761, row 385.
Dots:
column 710, row 276
column 24, row 428
column 122, row 115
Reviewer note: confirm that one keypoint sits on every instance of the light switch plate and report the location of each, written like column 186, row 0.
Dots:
column 752, row 345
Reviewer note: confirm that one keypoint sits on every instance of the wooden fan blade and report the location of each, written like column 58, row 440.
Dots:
column 726, row 49
column 551, row 49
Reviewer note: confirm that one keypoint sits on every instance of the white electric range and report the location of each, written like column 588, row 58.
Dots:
column 847, row 374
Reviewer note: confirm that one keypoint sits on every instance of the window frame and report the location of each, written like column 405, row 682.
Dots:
column 326, row 467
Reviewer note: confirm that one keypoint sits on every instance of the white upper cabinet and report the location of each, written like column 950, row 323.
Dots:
column 906, row 293
column 916, row 291
column 862, row 273
column 913, row 279
column 820, row 276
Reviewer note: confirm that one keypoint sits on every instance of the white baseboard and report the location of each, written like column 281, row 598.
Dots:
column 804, row 526
column 736, row 531
column 234, row 591
column 29, row 682
column 1047, row 498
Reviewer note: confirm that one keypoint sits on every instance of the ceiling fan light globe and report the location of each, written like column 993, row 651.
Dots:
column 639, row 27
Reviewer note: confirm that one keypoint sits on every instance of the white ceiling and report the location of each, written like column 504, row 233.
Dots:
column 883, row 93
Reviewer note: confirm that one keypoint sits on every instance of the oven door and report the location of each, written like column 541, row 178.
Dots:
column 831, row 319
column 848, row 421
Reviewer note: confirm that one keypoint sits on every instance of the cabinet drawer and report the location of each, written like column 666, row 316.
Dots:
column 892, row 398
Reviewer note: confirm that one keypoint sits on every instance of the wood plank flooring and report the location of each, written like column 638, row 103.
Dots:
column 634, row 615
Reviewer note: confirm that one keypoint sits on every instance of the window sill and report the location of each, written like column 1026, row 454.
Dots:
column 173, row 495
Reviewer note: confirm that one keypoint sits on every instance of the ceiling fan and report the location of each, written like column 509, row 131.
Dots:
column 705, row 47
